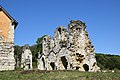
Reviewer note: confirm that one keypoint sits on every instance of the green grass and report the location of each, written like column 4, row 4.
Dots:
column 57, row 75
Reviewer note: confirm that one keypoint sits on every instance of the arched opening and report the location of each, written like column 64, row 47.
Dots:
column 45, row 39
column 77, row 68
column 43, row 63
column 59, row 30
column 64, row 62
column 28, row 66
column 86, row 67
column 52, row 64
column 71, row 66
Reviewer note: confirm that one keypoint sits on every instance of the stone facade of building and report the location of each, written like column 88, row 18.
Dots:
column 69, row 49
column 7, row 26
column 26, row 58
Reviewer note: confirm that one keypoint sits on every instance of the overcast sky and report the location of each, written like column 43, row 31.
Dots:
column 39, row 17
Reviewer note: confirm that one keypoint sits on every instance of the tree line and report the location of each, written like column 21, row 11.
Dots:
column 108, row 61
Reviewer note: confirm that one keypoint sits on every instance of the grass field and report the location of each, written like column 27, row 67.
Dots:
column 57, row 75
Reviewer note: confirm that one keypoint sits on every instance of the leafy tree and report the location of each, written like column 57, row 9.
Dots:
column 37, row 48
column 17, row 54
column 107, row 61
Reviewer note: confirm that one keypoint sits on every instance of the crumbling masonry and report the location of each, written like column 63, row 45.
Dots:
column 69, row 49
column 26, row 58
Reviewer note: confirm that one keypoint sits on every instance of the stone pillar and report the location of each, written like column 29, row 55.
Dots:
column 26, row 58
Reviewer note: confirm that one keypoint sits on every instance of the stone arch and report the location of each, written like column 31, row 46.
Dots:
column 43, row 63
column 64, row 61
column 52, row 64
column 86, row 67
column 60, row 31
column 45, row 39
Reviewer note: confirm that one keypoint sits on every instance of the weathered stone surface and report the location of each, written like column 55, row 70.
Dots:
column 26, row 58
column 7, row 61
column 69, row 49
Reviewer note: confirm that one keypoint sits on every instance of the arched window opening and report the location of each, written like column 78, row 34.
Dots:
column 43, row 63
column 86, row 67
column 52, row 64
column 64, row 62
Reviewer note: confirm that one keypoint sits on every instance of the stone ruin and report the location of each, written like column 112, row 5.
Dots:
column 26, row 58
column 69, row 49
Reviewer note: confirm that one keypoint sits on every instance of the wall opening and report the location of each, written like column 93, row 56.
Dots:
column 59, row 30
column 28, row 66
column 94, row 64
column 43, row 63
column 86, row 67
column 64, row 62
column 52, row 64
column 71, row 66
column 45, row 39
column 77, row 68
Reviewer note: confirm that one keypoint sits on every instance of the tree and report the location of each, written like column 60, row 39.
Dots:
column 37, row 48
column 107, row 61
column 17, row 54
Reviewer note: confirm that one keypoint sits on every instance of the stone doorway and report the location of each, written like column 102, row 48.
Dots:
column 43, row 63
column 64, row 62
column 86, row 67
column 28, row 66
column 52, row 64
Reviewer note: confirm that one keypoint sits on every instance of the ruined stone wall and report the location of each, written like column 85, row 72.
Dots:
column 26, row 58
column 70, row 49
